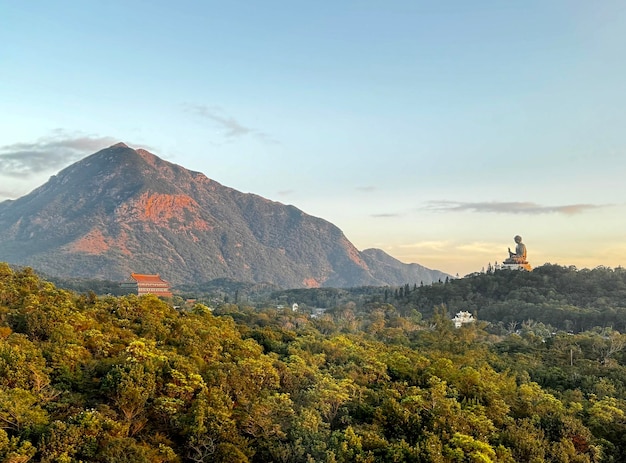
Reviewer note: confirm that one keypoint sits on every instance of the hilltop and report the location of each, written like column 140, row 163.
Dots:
column 123, row 210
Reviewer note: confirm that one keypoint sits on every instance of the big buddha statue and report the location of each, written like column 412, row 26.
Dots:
column 517, row 259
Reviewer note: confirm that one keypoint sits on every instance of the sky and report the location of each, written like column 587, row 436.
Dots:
column 434, row 130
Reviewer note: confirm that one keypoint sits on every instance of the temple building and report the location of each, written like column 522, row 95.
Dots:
column 147, row 284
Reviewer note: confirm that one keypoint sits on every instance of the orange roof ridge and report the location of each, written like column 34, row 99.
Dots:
column 153, row 277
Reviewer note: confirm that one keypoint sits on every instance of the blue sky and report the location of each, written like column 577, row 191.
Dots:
column 435, row 131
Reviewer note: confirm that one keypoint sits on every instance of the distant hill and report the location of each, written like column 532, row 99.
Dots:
column 386, row 268
column 122, row 210
column 561, row 297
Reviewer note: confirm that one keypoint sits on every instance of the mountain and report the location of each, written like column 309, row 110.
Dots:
column 122, row 210
column 386, row 268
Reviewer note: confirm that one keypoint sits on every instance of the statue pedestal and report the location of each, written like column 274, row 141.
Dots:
column 516, row 265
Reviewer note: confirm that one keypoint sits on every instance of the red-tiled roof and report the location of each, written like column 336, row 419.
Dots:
column 143, row 278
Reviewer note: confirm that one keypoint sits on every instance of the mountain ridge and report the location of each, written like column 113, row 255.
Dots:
column 122, row 210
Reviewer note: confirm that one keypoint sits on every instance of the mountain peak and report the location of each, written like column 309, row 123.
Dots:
column 123, row 210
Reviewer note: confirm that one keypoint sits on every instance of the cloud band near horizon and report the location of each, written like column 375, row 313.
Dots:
column 495, row 207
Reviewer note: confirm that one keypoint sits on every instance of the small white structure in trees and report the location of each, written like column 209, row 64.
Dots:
column 317, row 312
column 294, row 307
column 462, row 318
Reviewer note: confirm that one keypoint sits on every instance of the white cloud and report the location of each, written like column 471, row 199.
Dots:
column 230, row 127
column 47, row 154
column 386, row 215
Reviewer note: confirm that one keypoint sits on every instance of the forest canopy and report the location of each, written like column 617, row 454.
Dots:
column 375, row 378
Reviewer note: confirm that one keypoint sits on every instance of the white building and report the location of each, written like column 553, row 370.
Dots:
column 463, row 318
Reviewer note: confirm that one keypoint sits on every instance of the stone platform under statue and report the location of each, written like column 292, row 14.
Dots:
column 516, row 265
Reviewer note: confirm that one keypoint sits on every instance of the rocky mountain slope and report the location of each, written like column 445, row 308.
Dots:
column 122, row 210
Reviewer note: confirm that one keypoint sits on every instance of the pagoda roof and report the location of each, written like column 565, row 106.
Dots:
column 147, row 278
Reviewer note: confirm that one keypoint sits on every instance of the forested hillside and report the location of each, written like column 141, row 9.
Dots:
column 127, row 379
column 561, row 298
column 564, row 297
